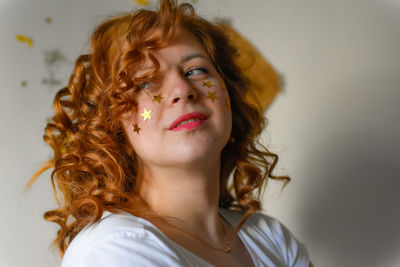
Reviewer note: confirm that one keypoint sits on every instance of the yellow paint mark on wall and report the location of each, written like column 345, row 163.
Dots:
column 142, row 2
column 24, row 39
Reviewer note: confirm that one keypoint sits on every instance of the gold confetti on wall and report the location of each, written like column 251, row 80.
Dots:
column 48, row 20
column 265, row 82
column 24, row 39
column 142, row 2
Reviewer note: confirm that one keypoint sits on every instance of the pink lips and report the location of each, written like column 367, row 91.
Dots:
column 188, row 121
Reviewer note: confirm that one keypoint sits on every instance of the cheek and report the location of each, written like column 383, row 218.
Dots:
column 214, row 91
column 147, row 113
column 227, row 117
column 142, row 123
column 217, row 98
column 145, row 142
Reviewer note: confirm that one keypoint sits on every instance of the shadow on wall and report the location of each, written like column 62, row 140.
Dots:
column 354, row 215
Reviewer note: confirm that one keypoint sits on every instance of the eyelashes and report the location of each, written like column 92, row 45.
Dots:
column 196, row 72
column 151, row 84
column 150, row 87
column 145, row 85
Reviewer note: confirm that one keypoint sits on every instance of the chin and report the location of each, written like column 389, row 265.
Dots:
column 185, row 154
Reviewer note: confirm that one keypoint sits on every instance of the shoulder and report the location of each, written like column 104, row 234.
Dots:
column 278, row 239
column 267, row 234
column 119, row 240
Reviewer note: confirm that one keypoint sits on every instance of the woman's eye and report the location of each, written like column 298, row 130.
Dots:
column 196, row 71
column 145, row 85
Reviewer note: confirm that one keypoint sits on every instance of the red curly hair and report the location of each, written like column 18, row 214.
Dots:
column 94, row 167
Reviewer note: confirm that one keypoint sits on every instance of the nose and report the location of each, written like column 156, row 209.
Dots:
column 182, row 90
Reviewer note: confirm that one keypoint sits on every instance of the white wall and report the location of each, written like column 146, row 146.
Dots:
column 335, row 125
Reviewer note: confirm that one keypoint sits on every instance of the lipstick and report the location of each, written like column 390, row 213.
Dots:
column 188, row 121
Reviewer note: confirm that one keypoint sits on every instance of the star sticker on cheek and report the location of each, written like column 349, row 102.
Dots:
column 146, row 114
column 227, row 102
column 136, row 128
column 212, row 96
column 157, row 98
column 207, row 83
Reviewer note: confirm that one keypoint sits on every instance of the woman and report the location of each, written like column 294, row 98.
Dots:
column 153, row 122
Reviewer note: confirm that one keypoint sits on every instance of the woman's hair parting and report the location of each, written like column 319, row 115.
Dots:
column 94, row 167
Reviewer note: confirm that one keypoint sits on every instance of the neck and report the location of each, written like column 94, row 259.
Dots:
column 186, row 197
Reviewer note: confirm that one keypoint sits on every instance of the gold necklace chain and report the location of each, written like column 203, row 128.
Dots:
column 227, row 249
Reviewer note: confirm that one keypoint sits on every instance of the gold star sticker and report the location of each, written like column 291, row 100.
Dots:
column 136, row 128
column 222, row 85
column 207, row 83
column 158, row 98
column 146, row 114
column 212, row 96
column 227, row 102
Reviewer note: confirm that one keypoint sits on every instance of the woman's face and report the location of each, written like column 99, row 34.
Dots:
column 183, row 115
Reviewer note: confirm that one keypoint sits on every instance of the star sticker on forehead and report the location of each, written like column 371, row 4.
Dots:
column 207, row 83
column 136, row 128
column 146, row 114
column 212, row 95
column 157, row 98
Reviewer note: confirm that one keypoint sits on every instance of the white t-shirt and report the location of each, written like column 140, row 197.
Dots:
column 126, row 240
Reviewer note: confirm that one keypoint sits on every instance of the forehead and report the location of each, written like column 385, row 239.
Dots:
column 182, row 45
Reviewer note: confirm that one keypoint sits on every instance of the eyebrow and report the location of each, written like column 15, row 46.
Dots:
column 191, row 56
